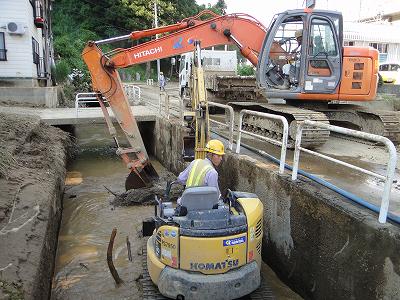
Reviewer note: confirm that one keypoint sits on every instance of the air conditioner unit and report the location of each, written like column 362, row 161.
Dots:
column 15, row 28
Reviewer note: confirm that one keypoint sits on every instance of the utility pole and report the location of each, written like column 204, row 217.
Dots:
column 156, row 26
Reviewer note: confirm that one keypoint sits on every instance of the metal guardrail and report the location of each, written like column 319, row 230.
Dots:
column 133, row 92
column 164, row 98
column 282, row 143
column 388, row 178
column 230, row 125
column 82, row 98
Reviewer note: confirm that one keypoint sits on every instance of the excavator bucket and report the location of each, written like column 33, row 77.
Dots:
column 144, row 178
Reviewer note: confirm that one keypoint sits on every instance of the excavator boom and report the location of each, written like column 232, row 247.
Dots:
column 218, row 30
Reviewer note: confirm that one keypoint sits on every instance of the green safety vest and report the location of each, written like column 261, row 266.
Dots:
column 198, row 172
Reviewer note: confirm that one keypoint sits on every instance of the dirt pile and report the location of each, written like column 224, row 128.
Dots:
column 145, row 196
column 32, row 171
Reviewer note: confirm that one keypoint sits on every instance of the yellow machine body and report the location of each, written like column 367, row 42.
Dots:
column 207, row 255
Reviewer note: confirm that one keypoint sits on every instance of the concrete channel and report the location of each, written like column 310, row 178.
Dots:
column 320, row 245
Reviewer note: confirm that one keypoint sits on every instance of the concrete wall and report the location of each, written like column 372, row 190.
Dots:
column 321, row 245
column 30, row 96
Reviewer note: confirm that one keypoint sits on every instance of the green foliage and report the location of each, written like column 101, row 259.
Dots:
column 75, row 22
column 62, row 70
column 245, row 70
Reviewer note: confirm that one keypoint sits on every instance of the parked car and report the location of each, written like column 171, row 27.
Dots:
column 390, row 72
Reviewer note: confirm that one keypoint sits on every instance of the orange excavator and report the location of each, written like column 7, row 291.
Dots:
column 310, row 72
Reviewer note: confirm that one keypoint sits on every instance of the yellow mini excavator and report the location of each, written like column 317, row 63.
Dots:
column 206, row 248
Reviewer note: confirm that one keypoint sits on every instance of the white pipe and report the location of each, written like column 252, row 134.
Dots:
column 391, row 166
column 268, row 116
column 231, row 120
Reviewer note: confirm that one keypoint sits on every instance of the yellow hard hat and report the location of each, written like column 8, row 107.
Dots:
column 216, row 147
column 298, row 33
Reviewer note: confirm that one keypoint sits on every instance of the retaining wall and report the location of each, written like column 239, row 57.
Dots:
column 321, row 245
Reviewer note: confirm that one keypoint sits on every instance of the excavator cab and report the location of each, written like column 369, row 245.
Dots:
column 301, row 54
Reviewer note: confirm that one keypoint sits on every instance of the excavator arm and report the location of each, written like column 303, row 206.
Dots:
column 239, row 29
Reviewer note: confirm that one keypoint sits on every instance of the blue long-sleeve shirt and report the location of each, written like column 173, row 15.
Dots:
column 210, row 179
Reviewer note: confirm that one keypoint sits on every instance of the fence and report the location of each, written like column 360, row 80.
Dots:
column 83, row 98
column 282, row 143
column 391, row 166
column 133, row 93
column 164, row 101
column 230, row 124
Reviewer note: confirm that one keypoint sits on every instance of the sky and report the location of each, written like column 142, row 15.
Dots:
column 264, row 10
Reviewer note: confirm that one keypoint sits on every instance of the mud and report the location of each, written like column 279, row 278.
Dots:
column 146, row 196
column 32, row 170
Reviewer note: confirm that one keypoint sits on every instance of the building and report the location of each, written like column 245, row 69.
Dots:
column 385, row 37
column 26, row 52
column 378, row 26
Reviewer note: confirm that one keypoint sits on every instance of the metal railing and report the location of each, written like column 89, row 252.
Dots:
column 83, row 98
column 391, row 166
column 282, row 143
column 133, row 92
column 230, row 124
column 150, row 81
column 164, row 101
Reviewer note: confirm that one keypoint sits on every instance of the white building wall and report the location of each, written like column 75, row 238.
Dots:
column 363, row 34
column 19, row 62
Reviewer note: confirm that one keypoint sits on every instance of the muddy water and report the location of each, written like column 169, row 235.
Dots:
column 81, row 270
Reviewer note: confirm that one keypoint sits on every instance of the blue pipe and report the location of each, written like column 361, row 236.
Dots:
column 329, row 185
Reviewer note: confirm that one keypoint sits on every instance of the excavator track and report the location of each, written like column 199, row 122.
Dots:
column 312, row 136
column 151, row 292
column 380, row 122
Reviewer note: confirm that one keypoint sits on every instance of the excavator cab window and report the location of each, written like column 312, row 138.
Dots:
column 301, row 54
column 282, row 65
column 323, row 62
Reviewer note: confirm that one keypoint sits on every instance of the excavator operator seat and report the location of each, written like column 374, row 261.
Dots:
column 200, row 198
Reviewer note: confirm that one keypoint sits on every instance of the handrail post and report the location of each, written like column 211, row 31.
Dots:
column 296, row 158
column 167, row 105
column 239, row 132
column 389, row 180
column 159, row 103
column 231, row 125
column 76, row 105
column 181, row 109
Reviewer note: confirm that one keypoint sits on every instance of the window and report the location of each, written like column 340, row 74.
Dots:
column 382, row 48
column 3, row 50
column 384, row 68
column 322, row 38
column 394, row 67
column 349, row 43
column 35, row 51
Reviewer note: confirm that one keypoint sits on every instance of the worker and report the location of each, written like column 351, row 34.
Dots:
column 161, row 81
column 318, row 46
column 291, row 70
column 299, row 38
column 201, row 172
